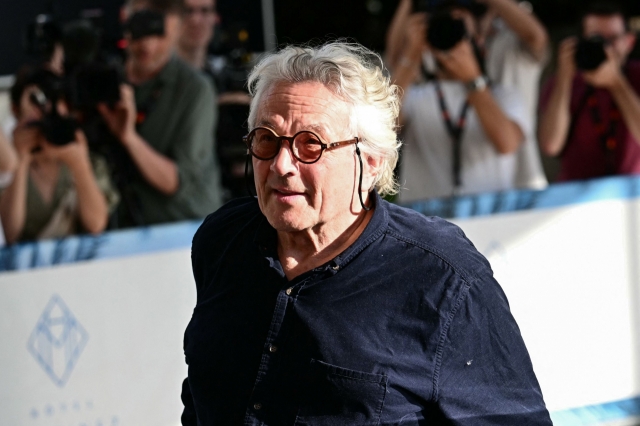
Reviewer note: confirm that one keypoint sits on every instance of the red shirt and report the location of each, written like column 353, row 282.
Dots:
column 584, row 156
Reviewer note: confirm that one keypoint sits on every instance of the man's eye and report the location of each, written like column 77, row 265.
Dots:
column 265, row 138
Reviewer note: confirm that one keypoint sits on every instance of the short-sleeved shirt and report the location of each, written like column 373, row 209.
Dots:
column 584, row 156
column 179, row 123
column 426, row 169
column 406, row 326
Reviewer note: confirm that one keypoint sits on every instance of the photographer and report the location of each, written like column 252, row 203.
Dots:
column 514, row 45
column 57, row 190
column 590, row 109
column 165, row 120
column 461, row 134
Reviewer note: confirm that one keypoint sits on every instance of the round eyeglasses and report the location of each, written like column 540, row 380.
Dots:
column 306, row 146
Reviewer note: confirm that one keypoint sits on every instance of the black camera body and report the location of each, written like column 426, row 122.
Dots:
column 56, row 129
column 445, row 31
column 590, row 53
column 91, row 76
column 145, row 23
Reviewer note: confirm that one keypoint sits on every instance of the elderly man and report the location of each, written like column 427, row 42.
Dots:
column 319, row 303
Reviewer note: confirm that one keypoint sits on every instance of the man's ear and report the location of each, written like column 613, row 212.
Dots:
column 372, row 168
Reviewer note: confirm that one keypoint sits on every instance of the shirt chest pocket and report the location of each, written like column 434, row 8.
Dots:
column 339, row 396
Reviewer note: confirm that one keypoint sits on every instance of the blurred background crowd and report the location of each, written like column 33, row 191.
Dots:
column 131, row 113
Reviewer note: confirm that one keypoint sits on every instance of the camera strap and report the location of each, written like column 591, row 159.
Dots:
column 455, row 132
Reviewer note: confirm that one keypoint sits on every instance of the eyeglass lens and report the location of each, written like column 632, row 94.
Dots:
column 265, row 145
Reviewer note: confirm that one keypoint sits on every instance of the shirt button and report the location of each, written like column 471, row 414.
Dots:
column 257, row 406
column 335, row 267
column 272, row 348
column 288, row 291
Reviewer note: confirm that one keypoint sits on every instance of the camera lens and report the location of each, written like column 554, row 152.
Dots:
column 444, row 31
column 590, row 53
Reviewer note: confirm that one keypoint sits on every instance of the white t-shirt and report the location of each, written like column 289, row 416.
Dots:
column 509, row 64
column 426, row 169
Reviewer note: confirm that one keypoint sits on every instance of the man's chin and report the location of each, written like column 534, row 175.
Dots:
column 291, row 221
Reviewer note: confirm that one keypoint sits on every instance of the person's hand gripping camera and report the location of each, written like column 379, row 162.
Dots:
column 29, row 137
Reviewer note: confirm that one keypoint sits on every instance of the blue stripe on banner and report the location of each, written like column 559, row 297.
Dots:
column 108, row 245
column 557, row 195
column 175, row 236
column 598, row 414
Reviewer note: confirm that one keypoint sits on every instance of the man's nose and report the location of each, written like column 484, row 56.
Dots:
column 284, row 162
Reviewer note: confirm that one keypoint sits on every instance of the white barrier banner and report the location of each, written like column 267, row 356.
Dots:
column 95, row 343
column 96, row 339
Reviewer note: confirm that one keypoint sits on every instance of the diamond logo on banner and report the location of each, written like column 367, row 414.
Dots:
column 57, row 341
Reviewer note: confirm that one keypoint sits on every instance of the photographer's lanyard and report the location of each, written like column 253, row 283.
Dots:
column 455, row 132
column 606, row 135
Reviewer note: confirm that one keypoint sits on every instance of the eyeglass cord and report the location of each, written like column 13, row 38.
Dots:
column 250, row 192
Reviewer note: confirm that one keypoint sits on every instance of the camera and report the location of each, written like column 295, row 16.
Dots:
column 590, row 53
column 56, row 129
column 145, row 23
column 92, row 75
column 445, row 31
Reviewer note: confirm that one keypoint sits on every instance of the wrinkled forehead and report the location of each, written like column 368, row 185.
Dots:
column 308, row 105
column 603, row 25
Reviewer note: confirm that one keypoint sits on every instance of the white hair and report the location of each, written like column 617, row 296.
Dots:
column 353, row 73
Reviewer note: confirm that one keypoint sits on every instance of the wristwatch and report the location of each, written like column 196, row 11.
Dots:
column 479, row 83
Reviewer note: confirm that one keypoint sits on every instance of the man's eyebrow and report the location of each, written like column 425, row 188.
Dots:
column 317, row 128
column 264, row 123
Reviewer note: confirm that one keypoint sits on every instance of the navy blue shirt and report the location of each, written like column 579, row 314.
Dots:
column 406, row 326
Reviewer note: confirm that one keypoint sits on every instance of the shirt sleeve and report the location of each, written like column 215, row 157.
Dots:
column 485, row 375
column 514, row 107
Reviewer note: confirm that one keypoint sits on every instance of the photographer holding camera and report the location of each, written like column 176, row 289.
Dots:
column 165, row 120
column 57, row 190
column 461, row 133
column 590, row 109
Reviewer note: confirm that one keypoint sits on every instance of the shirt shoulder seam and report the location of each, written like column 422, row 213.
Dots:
column 465, row 277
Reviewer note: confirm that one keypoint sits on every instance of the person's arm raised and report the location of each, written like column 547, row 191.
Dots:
column 92, row 204
column 13, row 203
column 160, row 171
column 555, row 118
column 524, row 24
column 394, row 39
column 8, row 156
column 504, row 133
